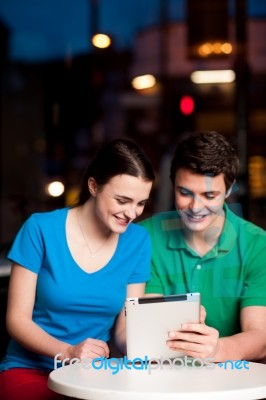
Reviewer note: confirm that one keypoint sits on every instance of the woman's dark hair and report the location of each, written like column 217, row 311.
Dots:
column 206, row 153
column 120, row 156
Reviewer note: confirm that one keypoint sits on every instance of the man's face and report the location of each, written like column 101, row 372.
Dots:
column 199, row 199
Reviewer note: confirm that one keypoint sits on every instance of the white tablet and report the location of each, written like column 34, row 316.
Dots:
column 150, row 319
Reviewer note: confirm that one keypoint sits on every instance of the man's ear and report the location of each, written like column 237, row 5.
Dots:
column 92, row 186
column 229, row 191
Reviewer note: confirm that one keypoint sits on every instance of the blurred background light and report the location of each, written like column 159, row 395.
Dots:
column 101, row 40
column 257, row 176
column 215, row 76
column 143, row 82
column 226, row 48
column 217, row 48
column 55, row 189
column 187, row 105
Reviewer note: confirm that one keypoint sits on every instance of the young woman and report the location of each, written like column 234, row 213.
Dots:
column 72, row 270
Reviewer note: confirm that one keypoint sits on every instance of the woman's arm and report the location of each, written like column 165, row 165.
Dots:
column 20, row 326
column 133, row 290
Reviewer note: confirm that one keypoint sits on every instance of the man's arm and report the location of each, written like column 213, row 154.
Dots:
column 202, row 341
column 250, row 344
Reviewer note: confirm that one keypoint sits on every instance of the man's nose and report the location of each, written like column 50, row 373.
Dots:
column 196, row 203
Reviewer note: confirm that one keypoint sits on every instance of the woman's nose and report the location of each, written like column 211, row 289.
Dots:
column 131, row 212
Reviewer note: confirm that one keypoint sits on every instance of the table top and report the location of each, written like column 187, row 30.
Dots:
column 166, row 383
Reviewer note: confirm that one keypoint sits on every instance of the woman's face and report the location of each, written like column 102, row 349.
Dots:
column 120, row 201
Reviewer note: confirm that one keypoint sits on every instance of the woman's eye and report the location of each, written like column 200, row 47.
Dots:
column 142, row 204
column 121, row 201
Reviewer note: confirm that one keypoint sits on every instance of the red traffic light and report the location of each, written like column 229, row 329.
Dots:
column 187, row 105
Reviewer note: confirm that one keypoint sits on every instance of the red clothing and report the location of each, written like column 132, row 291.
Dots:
column 26, row 384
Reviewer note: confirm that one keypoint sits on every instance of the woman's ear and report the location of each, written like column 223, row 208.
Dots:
column 92, row 186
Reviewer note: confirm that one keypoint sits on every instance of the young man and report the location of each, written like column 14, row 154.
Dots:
column 204, row 247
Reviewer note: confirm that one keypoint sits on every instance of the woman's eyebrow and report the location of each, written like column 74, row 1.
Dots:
column 120, row 196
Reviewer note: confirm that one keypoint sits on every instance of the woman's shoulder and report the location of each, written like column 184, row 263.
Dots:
column 46, row 217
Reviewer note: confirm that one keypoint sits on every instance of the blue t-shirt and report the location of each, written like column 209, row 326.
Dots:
column 71, row 304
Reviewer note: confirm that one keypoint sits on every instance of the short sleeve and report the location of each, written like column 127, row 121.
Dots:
column 141, row 271
column 154, row 284
column 28, row 248
column 254, row 293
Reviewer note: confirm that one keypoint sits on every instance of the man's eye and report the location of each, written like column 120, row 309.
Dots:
column 210, row 196
column 184, row 192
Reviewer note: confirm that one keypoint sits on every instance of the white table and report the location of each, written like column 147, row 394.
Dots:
column 160, row 384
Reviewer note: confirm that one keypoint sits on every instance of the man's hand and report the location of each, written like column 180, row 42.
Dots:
column 203, row 314
column 195, row 340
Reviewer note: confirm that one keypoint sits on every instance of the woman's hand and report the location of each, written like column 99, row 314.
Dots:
column 88, row 349
column 195, row 340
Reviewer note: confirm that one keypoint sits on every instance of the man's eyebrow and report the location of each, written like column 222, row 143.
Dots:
column 184, row 188
column 206, row 192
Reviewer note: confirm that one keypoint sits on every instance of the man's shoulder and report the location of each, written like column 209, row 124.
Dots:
column 244, row 226
column 253, row 230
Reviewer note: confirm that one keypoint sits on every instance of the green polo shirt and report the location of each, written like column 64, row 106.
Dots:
column 232, row 275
